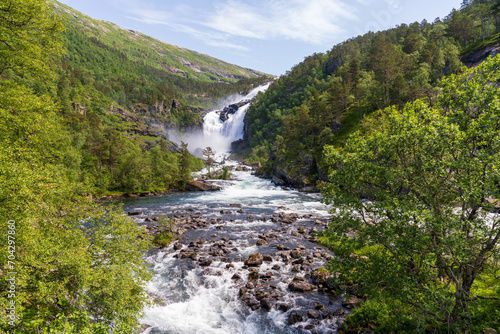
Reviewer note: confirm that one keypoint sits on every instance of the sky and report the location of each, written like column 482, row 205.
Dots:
column 266, row 35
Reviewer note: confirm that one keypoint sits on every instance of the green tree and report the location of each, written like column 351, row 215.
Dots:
column 185, row 164
column 412, row 191
column 28, row 37
column 78, row 266
column 209, row 160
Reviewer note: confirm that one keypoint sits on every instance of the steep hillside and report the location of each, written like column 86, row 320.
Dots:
column 154, row 53
column 325, row 98
column 118, row 91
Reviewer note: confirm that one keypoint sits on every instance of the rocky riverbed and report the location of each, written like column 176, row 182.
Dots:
column 268, row 262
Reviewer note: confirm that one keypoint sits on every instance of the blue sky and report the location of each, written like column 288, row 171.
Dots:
column 266, row 35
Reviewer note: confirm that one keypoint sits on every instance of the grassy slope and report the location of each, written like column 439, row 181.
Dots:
column 142, row 48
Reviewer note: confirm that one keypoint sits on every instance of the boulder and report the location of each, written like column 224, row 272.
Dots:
column 205, row 262
column 254, row 260
column 295, row 317
column 201, row 186
column 300, row 286
column 135, row 213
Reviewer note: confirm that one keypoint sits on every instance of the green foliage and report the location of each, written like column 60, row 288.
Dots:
column 209, row 160
column 163, row 239
column 27, row 42
column 414, row 223
column 65, row 273
column 78, row 266
column 360, row 75
column 167, row 230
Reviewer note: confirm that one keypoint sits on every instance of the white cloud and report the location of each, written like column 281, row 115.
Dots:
column 228, row 22
column 313, row 21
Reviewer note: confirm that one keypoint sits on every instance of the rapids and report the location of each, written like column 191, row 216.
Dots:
column 202, row 283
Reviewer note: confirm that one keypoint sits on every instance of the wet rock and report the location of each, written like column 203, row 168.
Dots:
column 188, row 255
column 201, row 186
column 250, row 285
column 236, row 277
column 261, row 242
column 266, row 304
column 351, row 302
column 254, row 260
column 283, row 307
column 253, row 275
column 235, row 205
column 205, row 262
column 319, row 307
column 301, row 286
column 268, row 258
column 177, row 246
column 323, row 278
column 149, row 219
column 260, row 295
column 266, row 276
column 250, row 217
column 296, row 254
column 276, row 267
column 312, row 315
column 339, row 313
column 295, row 317
column 135, row 213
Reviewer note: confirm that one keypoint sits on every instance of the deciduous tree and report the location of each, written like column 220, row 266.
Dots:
column 413, row 192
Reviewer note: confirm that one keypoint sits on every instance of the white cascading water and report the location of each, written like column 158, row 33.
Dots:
column 218, row 134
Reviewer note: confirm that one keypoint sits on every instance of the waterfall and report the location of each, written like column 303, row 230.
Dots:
column 216, row 133
column 220, row 134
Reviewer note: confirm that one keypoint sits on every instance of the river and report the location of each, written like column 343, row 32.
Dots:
column 202, row 282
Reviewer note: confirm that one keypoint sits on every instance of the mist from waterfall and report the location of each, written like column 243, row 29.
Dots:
column 218, row 134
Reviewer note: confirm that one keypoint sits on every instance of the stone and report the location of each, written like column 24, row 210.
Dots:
column 261, row 242
column 253, row 275
column 266, row 304
column 312, row 315
column 201, row 186
column 235, row 205
column 296, row 254
column 135, row 213
column 300, row 287
column 254, row 260
column 177, row 246
column 295, row 317
column 188, row 255
column 283, row 307
column 205, row 262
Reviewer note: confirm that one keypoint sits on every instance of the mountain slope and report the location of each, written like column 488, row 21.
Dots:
column 152, row 52
column 119, row 91
column 325, row 98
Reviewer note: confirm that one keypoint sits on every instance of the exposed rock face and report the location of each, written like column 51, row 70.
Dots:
column 231, row 109
column 475, row 58
column 201, row 186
